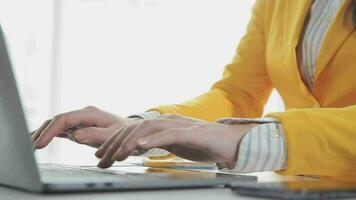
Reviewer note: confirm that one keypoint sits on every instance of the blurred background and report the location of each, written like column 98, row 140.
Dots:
column 115, row 54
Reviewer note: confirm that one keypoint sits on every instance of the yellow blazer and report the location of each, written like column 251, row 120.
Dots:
column 320, row 124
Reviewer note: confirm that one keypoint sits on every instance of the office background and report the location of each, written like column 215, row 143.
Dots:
column 115, row 54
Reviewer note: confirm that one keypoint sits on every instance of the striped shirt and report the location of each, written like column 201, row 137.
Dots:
column 264, row 147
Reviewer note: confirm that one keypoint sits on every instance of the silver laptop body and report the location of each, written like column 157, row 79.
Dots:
column 18, row 167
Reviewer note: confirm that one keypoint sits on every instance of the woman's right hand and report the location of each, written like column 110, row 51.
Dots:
column 90, row 126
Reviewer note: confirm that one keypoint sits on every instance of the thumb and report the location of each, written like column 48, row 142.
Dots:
column 92, row 135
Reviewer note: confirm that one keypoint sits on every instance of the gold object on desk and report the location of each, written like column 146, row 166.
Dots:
column 163, row 157
column 173, row 161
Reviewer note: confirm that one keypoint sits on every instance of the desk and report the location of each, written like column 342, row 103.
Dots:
column 181, row 194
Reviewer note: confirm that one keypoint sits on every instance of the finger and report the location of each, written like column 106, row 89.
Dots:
column 129, row 144
column 63, row 121
column 106, row 152
column 37, row 133
column 91, row 135
column 100, row 152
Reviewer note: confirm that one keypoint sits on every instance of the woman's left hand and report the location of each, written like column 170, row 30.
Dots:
column 188, row 138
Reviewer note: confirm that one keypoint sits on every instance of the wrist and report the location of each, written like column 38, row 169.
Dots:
column 238, row 132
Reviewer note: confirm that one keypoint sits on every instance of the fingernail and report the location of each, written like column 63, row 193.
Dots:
column 142, row 142
column 106, row 165
column 103, row 163
column 99, row 152
column 79, row 137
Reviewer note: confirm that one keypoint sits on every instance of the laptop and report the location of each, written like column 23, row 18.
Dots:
column 19, row 169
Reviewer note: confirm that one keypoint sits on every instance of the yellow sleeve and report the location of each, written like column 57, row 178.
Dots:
column 321, row 141
column 245, row 86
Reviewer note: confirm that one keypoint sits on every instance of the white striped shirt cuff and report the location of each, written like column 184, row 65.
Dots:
column 146, row 115
column 263, row 148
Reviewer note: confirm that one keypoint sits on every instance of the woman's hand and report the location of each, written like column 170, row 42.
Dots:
column 90, row 126
column 188, row 138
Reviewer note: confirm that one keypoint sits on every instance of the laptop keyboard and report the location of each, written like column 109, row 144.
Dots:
column 73, row 169
column 67, row 172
